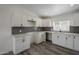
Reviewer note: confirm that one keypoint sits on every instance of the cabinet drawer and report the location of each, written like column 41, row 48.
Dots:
column 19, row 39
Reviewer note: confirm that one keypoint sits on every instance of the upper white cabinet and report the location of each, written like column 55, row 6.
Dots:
column 22, row 18
column 29, row 21
column 16, row 19
column 46, row 23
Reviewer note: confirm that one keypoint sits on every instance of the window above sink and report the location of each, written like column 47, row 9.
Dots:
column 61, row 25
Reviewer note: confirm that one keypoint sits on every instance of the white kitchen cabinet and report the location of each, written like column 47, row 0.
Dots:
column 55, row 38
column 46, row 23
column 19, row 45
column 76, row 42
column 21, row 42
column 26, row 21
column 59, row 39
column 29, row 38
column 20, row 18
column 16, row 19
column 62, row 39
column 29, row 21
column 39, row 37
column 27, row 42
column 69, row 41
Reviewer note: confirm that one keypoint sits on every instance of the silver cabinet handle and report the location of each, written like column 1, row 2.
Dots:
column 23, row 40
column 57, row 36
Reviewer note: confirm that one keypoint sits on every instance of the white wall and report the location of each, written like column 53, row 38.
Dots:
column 72, row 17
column 5, row 30
column 6, row 14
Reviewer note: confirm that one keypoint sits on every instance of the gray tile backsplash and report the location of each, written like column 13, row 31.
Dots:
column 47, row 28
column 16, row 30
column 74, row 29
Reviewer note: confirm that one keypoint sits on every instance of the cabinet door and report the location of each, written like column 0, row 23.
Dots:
column 16, row 19
column 69, row 41
column 55, row 37
column 27, row 42
column 26, row 23
column 76, row 42
column 19, row 46
column 61, row 39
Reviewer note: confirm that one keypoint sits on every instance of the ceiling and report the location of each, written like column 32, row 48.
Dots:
column 49, row 9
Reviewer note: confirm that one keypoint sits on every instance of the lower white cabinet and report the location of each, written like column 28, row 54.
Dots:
column 19, row 46
column 63, row 39
column 58, row 38
column 55, row 38
column 69, row 41
column 76, row 42
column 21, row 43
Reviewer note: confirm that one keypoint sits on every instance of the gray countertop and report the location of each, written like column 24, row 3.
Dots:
column 46, row 32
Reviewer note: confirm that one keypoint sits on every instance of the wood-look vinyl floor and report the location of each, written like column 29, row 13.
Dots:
column 47, row 48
